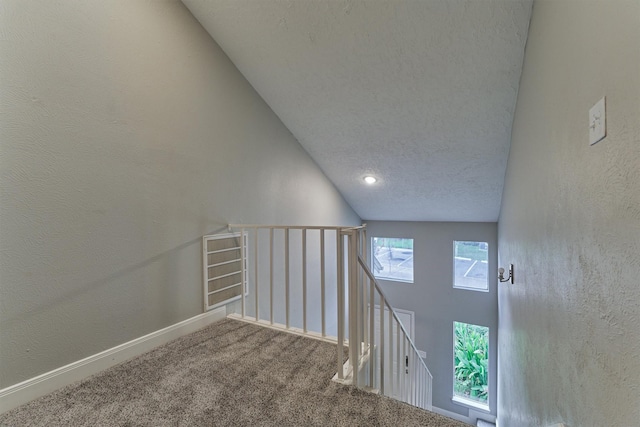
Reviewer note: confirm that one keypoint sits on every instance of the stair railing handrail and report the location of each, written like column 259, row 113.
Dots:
column 369, row 349
column 392, row 311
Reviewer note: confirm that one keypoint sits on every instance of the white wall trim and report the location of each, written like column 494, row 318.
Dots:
column 21, row 393
column 451, row 415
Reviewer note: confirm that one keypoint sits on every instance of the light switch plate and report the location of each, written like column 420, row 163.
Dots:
column 597, row 122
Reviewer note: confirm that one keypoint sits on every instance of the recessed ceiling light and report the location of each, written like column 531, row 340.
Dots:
column 370, row 179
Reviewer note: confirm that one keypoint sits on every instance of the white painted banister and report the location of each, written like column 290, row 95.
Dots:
column 292, row 264
column 414, row 388
column 373, row 354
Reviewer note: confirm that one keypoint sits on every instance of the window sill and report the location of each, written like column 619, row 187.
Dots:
column 465, row 288
column 388, row 279
column 470, row 403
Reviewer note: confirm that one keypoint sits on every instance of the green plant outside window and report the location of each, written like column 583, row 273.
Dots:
column 471, row 369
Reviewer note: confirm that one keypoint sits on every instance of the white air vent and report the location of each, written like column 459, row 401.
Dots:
column 224, row 258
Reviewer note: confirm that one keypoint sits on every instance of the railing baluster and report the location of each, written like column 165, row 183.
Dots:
column 418, row 400
column 423, row 386
column 363, row 251
column 382, row 349
column 430, row 392
column 412, row 370
column 403, row 377
column 362, row 317
column 361, row 294
column 408, row 371
column 419, row 389
column 304, row 280
column 425, row 391
column 407, row 383
column 205, row 272
column 365, row 312
column 354, row 343
column 286, row 275
column 372, row 330
column 427, row 385
column 242, row 271
column 423, row 383
column 255, row 273
column 416, row 393
column 322, row 284
column 340, row 295
column 410, row 359
column 390, row 362
column 271, row 275
column 398, row 376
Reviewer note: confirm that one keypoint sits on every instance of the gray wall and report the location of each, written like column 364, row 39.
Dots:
column 437, row 304
column 569, row 341
column 125, row 135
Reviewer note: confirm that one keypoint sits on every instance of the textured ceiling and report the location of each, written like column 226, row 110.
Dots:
column 420, row 93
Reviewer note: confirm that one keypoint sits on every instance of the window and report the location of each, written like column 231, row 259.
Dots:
column 470, row 267
column 392, row 258
column 471, row 365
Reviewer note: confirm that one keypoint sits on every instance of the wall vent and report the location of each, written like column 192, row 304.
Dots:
column 223, row 264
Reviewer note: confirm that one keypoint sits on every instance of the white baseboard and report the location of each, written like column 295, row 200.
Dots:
column 450, row 414
column 21, row 393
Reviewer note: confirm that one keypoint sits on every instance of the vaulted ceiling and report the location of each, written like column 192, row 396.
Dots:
column 418, row 93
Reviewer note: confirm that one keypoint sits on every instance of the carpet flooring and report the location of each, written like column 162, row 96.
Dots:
column 228, row 374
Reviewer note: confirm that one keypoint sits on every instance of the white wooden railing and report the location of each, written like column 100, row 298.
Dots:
column 315, row 281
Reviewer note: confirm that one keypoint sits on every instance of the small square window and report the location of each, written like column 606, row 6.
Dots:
column 470, row 265
column 392, row 258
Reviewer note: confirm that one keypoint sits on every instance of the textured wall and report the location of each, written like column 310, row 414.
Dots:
column 569, row 344
column 437, row 304
column 125, row 135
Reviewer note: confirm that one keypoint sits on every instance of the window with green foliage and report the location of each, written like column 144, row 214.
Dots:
column 392, row 258
column 471, row 365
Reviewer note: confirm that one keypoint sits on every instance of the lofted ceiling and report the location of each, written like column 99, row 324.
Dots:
column 418, row 93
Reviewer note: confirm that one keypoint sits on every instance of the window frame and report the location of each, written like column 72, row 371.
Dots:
column 372, row 259
column 469, row 288
column 461, row 400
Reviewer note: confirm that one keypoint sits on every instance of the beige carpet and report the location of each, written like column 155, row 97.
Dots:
column 228, row 374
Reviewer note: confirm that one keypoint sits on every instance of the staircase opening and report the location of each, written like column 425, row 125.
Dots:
column 317, row 282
